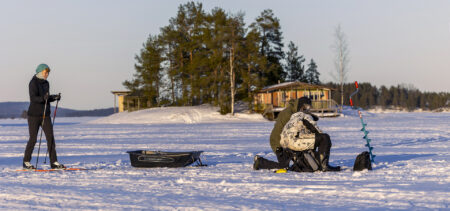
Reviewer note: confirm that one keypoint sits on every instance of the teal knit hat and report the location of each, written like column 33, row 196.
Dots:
column 41, row 68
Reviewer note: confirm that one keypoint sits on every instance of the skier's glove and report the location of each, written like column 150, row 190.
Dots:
column 55, row 97
column 46, row 97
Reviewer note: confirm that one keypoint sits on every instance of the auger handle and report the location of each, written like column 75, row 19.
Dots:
column 357, row 90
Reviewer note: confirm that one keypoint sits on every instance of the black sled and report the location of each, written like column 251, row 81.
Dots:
column 153, row 159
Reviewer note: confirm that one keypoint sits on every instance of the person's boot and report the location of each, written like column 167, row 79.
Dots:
column 324, row 163
column 256, row 162
column 56, row 165
column 28, row 166
column 262, row 163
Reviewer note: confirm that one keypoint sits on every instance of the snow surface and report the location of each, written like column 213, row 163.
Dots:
column 174, row 115
column 411, row 169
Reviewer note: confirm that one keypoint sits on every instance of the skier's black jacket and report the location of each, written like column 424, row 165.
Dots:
column 38, row 88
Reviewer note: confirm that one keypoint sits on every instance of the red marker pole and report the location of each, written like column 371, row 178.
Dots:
column 357, row 90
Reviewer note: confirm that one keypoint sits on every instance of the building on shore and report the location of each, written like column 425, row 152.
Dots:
column 272, row 99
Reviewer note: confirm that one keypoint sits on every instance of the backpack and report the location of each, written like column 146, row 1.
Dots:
column 304, row 161
column 362, row 162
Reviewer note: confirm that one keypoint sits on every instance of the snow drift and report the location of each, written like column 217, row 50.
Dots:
column 171, row 115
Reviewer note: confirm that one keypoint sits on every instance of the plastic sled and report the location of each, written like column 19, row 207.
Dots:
column 153, row 159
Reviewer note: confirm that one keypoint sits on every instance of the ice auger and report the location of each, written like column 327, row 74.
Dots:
column 366, row 132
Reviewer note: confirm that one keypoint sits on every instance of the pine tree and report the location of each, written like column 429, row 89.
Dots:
column 170, row 41
column 271, row 45
column 215, row 41
column 422, row 101
column 403, row 95
column 255, row 65
column 177, row 33
column 311, row 74
column 194, row 47
column 295, row 71
column 148, row 71
column 385, row 99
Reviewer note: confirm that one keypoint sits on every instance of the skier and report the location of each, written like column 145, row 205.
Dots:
column 300, row 133
column 40, row 100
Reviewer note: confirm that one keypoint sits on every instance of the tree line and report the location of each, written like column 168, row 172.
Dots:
column 215, row 57
column 400, row 96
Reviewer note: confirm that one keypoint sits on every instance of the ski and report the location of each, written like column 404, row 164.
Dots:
column 50, row 170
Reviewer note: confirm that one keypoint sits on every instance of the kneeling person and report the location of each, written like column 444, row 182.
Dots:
column 296, row 130
column 302, row 133
column 283, row 156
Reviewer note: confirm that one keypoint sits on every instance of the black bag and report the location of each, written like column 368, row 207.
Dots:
column 362, row 162
column 304, row 161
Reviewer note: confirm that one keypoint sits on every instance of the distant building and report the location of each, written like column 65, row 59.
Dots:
column 130, row 101
column 273, row 99
column 120, row 95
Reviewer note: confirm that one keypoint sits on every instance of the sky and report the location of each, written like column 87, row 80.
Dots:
column 90, row 46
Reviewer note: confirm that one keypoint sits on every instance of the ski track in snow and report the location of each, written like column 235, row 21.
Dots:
column 411, row 169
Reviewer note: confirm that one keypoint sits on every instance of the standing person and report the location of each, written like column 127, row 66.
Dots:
column 40, row 100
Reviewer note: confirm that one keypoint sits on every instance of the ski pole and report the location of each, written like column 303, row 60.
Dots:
column 42, row 128
column 54, row 117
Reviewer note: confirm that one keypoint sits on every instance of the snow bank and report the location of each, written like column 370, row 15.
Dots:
column 349, row 112
column 174, row 115
column 381, row 110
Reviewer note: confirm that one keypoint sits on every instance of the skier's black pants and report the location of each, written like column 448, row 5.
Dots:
column 322, row 144
column 33, row 128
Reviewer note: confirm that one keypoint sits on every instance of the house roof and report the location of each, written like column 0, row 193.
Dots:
column 121, row 92
column 293, row 84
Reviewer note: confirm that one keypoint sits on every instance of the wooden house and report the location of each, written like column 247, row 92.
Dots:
column 273, row 99
column 129, row 101
column 120, row 95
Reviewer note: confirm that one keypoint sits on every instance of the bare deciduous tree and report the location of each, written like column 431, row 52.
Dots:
column 340, row 48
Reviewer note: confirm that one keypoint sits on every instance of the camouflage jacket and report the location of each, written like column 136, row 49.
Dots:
column 296, row 136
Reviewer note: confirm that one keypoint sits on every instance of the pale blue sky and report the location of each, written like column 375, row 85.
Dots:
column 90, row 45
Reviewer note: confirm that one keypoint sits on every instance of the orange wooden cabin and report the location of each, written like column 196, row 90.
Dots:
column 274, row 98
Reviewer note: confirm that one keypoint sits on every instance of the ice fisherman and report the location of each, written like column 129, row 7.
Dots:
column 40, row 99
column 296, row 130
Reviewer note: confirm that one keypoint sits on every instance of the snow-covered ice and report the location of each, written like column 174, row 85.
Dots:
column 411, row 169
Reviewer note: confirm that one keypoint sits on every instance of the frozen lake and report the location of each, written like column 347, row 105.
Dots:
column 411, row 170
